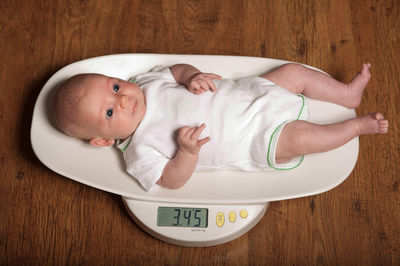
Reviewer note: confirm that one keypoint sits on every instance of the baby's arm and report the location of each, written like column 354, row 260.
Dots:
column 179, row 169
column 193, row 79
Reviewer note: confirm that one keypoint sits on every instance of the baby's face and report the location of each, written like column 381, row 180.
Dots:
column 112, row 108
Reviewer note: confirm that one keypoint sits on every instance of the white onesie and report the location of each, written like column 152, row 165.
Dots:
column 243, row 118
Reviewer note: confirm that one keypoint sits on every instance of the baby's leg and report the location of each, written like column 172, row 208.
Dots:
column 317, row 85
column 301, row 137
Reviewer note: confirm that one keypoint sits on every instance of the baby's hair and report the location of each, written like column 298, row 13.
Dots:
column 66, row 103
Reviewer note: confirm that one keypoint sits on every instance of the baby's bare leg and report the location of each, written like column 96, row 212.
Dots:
column 317, row 85
column 302, row 138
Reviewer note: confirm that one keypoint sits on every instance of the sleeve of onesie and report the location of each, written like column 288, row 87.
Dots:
column 158, row 74
column 147, row 170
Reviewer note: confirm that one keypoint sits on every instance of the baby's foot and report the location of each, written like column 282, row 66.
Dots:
column 373, row 123
column 357, row 85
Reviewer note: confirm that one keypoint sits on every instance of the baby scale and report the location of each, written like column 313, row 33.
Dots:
column 213, row 207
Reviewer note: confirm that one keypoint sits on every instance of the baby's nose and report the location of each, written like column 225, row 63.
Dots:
column 123, row 100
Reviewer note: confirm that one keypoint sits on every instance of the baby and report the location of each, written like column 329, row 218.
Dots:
column 253, row 123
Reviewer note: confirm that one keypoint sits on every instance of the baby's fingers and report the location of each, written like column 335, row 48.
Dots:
column 183, row 131
column 210, row 81
column 204, row 85
column 201, row 142
column 196, row 133
column 211, row 85
column 214, row 76
column 196, row 88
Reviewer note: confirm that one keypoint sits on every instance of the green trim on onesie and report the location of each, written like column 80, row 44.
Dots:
column 125, row 146
column 273, row 142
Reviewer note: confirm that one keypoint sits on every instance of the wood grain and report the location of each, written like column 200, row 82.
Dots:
column 46, row 219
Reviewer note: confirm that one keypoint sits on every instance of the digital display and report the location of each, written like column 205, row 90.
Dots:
column 182, row 217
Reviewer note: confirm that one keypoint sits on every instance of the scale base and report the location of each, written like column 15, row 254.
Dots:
column 225, row 222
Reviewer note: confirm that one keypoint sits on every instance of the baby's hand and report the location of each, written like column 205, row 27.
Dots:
column 188, row 139
column 202, row 82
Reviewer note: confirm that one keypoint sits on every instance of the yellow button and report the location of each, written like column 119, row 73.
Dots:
column 243, row 213
column 220, row 219
column 232, row 216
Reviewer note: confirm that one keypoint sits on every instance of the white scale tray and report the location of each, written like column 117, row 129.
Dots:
column 103, row 168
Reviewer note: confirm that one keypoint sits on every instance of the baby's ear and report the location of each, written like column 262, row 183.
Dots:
column 101, row 142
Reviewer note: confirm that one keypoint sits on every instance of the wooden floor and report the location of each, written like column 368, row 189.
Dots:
column 47, row 219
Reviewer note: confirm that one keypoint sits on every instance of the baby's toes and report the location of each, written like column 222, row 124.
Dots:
column 383, row 126
column 367, row 65
column 365, row 69
column 377, row 116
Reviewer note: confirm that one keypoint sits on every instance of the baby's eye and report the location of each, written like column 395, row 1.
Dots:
column 116, row 87
column 109, row 113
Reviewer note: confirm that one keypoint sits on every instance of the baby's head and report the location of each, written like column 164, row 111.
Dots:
column 98, row 108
